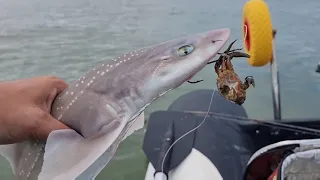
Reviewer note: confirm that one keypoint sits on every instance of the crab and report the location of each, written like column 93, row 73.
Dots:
column 228, row 82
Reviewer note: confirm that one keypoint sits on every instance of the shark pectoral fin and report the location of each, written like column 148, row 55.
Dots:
column 68, row 155
column 137, row 124
column 59, row 144
column 25, row 158
column 12, row 154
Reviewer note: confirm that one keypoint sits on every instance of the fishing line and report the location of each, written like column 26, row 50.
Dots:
column 190, row 131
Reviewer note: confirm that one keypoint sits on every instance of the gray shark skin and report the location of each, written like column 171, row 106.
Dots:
column 104, row 105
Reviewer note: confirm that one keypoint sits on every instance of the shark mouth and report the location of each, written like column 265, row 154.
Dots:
column 190, row 77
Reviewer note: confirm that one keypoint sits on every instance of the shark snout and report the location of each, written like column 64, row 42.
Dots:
column 214, row 41
column 219, row 35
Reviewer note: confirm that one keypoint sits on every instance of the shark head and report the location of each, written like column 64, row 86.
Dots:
column 170, row 64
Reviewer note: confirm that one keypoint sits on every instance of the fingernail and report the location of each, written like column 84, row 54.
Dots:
column 51, row 97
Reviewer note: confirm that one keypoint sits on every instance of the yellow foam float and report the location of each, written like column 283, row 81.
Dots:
column 257, row 32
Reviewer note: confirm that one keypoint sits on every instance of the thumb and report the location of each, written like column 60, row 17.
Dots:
column 47, row 125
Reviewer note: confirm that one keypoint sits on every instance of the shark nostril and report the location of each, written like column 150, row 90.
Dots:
column 165, row 57
column 214, row 41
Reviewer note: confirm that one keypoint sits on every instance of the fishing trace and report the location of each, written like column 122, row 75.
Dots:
column 187, row 133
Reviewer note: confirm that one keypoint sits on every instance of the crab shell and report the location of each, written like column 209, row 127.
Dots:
column 230, row 86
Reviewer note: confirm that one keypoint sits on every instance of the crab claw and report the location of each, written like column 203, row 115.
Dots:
column 249, row 80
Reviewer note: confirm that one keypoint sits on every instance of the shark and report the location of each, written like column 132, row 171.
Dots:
column 107, row 104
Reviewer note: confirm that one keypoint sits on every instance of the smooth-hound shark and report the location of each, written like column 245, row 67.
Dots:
column 101, row 107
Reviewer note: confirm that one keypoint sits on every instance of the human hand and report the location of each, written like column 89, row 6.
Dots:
column 25, row 107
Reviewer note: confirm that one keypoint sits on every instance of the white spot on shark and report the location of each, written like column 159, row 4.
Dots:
column 81, row 82
column 155, row 71
column 77, row 85
column 102, row 73
column 98, row 72
column 102, row 64
column 71, row 93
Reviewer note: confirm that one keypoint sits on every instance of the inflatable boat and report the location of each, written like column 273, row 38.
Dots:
column 227, row 146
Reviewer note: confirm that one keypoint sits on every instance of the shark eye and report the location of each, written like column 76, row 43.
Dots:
column 185, row 50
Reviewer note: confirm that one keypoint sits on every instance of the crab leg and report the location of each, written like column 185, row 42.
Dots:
column 194, row 82
column 239, row 54
column 230, row 46
column 248, row 81
column 233, row 54
column 225, row 52
column 217, row 67
column 233, row 50
column 220, row 58
column 223, row 63
column 228, row 63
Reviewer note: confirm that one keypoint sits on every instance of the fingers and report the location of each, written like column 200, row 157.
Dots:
column 57, row 86
column 51, row 82
column 50, row 98
column 46, row 89
column 45, row 126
